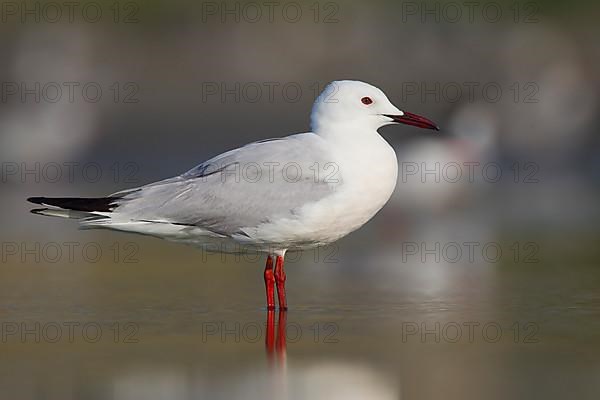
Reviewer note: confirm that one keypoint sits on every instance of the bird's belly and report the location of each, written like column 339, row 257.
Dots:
column 352, row 210
column 329, row 219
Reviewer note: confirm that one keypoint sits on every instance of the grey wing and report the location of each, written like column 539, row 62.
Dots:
column 242, row 188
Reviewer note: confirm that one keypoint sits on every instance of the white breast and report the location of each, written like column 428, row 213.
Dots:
column 369, row 174
column 369, row 181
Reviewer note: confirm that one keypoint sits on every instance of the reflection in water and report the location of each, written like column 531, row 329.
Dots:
column 323, row 379
column 276, row 347
column 327, row 380
column 315, row 381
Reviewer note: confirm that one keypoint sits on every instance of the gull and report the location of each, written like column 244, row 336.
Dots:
column 291, row 193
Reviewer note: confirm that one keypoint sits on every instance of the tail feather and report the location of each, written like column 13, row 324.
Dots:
column 57, row 212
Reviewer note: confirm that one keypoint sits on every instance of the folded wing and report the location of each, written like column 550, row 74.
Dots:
column 243, row 188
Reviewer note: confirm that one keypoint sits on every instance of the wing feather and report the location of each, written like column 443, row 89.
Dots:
column 242, row 188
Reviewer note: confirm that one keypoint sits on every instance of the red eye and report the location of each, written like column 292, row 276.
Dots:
column 366, row 100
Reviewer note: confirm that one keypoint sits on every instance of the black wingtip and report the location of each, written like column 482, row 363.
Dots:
column 36, row 200
column 102, row 204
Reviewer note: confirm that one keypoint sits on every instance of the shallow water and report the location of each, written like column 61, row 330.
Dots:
column 370, row 325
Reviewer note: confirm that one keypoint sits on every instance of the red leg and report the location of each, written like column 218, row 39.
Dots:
column 280, row 281
column 270, row 284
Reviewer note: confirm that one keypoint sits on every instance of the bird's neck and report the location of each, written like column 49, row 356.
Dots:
column 354, row 140
column 361, row 151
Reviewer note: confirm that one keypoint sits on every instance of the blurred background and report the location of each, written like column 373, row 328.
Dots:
column 479, row 278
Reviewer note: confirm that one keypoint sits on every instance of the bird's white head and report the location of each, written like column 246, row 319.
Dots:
column 358, row 104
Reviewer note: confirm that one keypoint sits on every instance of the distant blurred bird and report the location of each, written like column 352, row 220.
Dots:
column 436, row 175
column 291, row 193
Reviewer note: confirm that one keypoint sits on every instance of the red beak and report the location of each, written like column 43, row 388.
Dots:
column 414, row 120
